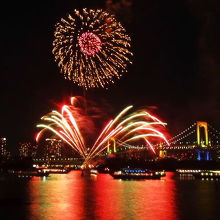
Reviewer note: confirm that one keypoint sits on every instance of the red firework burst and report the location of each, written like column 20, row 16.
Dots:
column 90, row 44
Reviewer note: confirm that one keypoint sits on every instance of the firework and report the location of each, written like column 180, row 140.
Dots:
column 129, row 128
column 91, row 48
column 64, row 126
column 124, row 128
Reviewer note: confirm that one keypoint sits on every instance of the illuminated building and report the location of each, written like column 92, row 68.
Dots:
column 26, row 149
column 53, row 148
column 3, row 151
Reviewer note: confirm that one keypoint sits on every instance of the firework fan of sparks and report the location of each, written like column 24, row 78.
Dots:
column 124, row 128
column 91, row 48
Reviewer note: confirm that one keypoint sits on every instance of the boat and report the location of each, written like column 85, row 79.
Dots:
column 188, row 171
column 208, row 174
column 26, row 173
column 138, row 174
column 88, row 172
column 55, row 170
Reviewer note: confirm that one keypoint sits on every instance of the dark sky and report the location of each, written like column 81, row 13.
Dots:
column 176, row 64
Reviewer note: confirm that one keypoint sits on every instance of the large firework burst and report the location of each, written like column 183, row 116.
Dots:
column 91, row 48
column 124, row 128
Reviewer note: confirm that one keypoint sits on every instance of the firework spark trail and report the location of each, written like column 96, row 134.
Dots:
column 141, row 128
column 59, row 135
column 76, row 129
column 65, row 127
column 155, row 119
column 150, row 145
column 118, row 117
column 91, row 48
column 126, row 129
column 123, row 128
column 96, row 148
column 100, row 147
column 105, row 131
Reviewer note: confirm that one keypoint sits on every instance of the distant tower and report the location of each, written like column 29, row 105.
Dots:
column 202, row 134
column 3, row 151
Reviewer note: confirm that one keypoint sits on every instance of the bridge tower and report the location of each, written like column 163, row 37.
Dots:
column 202, row 134
column 162, row 152
column 202, row 140
column 111, row 143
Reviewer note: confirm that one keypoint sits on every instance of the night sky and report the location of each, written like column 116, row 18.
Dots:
column 175, row 71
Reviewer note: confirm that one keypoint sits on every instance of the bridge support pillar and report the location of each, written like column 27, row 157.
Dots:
column 203, row 155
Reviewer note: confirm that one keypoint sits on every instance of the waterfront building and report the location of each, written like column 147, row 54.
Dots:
column 53, row 148
column 3, row 151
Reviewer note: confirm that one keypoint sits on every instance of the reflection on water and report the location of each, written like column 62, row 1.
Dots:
column 70, row 196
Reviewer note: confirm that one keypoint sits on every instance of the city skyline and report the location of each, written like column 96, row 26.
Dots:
column 174, row 72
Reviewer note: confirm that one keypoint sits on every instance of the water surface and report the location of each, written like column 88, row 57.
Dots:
column 70, row 196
